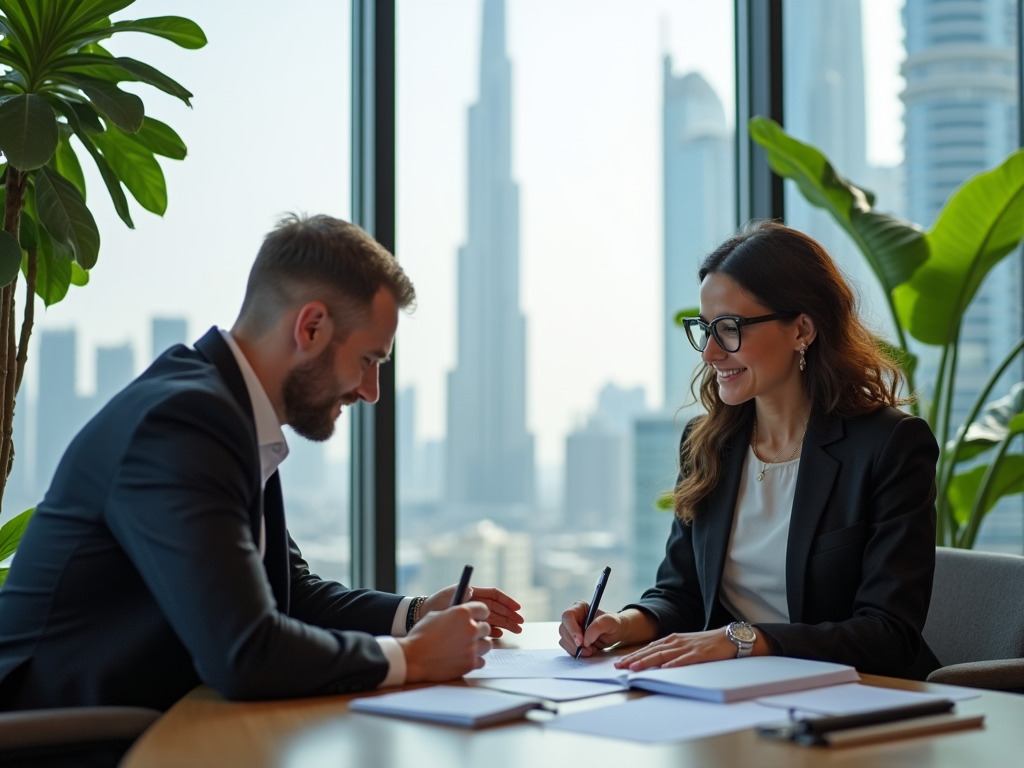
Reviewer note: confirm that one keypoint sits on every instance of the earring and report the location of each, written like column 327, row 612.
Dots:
column 803, row 361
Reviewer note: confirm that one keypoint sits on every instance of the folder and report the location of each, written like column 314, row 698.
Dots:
column 741, row 679
column 450, row 705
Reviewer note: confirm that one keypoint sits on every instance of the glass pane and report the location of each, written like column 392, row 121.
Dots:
column 909, row 99
column 268, row 133
column 540, row 144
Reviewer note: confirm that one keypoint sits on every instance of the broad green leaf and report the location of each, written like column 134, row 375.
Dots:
column 11, row 533
column 28, row 234
column 178, row 30
column 79, row 276
column 110, row 180
column 137, row 169
column 682, row 314
column 92, row 12
column 664, row 503
column 995, row 421
column 160, row 139
column 982, row 223
column 28, row 131
column 123, row 109
column 3, row 575
column 10, row 258
column 65, row 162
column 20, row 22
column 893, row 248
column 53, row 276
column 64, row 215
column 963, row 488
column 121, row 69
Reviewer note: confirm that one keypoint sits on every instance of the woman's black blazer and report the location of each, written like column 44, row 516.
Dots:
column 861, row 552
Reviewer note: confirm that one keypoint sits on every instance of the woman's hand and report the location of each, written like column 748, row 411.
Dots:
column 682, row 649
column 504, row 610
column 607, row 629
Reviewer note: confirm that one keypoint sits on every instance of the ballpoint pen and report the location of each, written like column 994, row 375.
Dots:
column 460, row 591
column 602, row 582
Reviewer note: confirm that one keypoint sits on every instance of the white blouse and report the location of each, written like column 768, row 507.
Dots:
column 754, row 579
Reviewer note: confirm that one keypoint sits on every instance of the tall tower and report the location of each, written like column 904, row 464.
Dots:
column 166, row 332
column 699, row 207
column 961, row 119
column 490, row 452
column 60, row 412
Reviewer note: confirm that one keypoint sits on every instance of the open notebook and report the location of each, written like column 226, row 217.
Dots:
column 719, row 681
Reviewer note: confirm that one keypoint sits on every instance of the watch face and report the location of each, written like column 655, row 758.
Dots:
column 743, row 632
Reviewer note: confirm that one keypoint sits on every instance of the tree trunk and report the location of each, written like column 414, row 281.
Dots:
column 14, row 183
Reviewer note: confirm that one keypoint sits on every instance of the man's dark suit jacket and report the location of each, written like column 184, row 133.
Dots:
column 861, row 551
column 139, row 576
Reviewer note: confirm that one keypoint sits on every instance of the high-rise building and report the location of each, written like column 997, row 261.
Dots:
column 166, row 332
column 490, row 452
column 825, row 106
column 656, row 448
column 699, row 206
column 961, row 118
column 594, row 479
column 115, row 368
column 61, row 412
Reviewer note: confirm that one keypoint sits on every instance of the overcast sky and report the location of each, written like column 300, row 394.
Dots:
column 269, row 133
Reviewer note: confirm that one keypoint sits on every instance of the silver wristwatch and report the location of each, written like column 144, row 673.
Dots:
column 742, row 636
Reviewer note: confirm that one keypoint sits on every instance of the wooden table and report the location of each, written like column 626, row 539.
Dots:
column 204, row 730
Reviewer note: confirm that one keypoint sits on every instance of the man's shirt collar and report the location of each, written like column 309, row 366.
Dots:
column 273, row 446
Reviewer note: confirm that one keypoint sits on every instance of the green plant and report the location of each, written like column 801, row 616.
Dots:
column 10, row 537
column 57, row 82
column 929, row 280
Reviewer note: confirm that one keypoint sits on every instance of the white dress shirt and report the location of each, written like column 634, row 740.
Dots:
column 754, row 577
column 274, row 450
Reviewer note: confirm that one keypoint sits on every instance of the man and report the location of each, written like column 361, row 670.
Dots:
column 160, row 559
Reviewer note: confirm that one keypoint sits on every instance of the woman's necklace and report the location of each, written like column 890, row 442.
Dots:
column 766, row 465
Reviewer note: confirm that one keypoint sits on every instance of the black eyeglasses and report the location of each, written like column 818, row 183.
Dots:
column 725, row 329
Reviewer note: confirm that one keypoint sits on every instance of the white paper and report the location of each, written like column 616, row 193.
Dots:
column 847, row 699
column 551, row 689
column 658, row 719
column 954, row 692
column 512, row 663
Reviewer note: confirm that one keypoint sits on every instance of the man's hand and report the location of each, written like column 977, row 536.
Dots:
column 504, row 610
column 446, row 644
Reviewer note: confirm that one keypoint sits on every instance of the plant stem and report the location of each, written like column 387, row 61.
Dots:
column 934, row 411
column 15, row 184
column 951, row 456
column 29, row 319
column 979, row 507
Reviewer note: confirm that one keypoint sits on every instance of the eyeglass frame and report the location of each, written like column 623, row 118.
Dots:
column 711, row 329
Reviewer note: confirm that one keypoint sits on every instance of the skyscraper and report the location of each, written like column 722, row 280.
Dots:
column 115, row 368
column 825, row 106
column 168, row 331
column 490, row 453
column 699, row 206
column 961, row 119
column 60, row 413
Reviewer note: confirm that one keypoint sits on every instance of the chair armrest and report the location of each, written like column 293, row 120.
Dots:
column 35, row 728
column 997, row 675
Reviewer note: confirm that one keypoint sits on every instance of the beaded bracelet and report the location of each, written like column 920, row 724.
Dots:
column 413, row 614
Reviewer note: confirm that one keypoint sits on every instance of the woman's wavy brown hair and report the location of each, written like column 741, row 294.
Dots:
column 847, row 372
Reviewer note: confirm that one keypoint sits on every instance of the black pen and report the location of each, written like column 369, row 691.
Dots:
column 460, row 591
column 602, row 582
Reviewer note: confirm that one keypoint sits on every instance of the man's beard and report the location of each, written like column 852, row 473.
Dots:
column 310, row 394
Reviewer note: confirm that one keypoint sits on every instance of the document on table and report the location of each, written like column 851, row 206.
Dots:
column 848, row 699
column 448, row 704
column 660, row 719
column 551, row 689
column 512, row 663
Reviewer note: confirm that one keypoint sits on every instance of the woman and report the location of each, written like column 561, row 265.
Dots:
column 805, row 508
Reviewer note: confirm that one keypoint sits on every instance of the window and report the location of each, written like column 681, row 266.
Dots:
column 537, row 145
column 268, row 134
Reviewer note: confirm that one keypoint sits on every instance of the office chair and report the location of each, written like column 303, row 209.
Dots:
column 975, row 621
column 96, row 737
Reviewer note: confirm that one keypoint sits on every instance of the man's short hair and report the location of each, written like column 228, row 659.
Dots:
column 320, row 258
